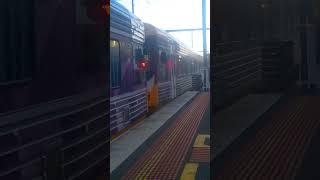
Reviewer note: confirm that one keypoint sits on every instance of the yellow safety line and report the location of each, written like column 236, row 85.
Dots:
column 189, row 171
column 200, row 140
column 162, row 150
column 155, row 159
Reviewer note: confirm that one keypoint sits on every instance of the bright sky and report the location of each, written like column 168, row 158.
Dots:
column 174, row 14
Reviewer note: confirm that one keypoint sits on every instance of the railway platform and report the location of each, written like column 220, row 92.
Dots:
column 282, row 143
column 172, row 143
column 234, row 120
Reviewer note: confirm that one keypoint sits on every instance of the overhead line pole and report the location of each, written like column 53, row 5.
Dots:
column 192, row 39
column 204, row 35
column 132, row 2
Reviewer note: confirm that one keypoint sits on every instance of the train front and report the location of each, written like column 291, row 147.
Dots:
column 127, row 69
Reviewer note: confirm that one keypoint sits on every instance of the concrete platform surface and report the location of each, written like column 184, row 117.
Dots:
column 122, row 147
column 229, row 123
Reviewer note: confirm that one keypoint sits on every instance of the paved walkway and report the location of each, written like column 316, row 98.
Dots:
column 277, row 150
column 165, row 156
column 125, row 145
column 234, row 120
column 197, row 165
column 168, row 154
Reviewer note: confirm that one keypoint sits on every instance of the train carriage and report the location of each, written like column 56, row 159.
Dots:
column 173, row 65
column 170, row 68
column 128, row 90
column 161, row 50
column 189, row 75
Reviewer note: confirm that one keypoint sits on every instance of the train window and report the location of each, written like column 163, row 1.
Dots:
column 163, row 57
column 163, row 71
column 115, row 63
column 16, row 45
column 138, row 54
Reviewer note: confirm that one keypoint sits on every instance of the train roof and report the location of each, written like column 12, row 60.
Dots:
column 183, row 49
column 124, row 23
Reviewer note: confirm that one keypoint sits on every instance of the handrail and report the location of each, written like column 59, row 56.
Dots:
column 14, row 149
column 46, row 119
column 51, row 106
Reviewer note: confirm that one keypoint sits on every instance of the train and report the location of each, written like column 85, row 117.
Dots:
column 148, row 68
column 53, row 90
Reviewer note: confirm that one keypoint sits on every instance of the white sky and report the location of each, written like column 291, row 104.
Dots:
column 174, row 14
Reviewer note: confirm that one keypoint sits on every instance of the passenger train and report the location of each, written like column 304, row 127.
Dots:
column 148, row 67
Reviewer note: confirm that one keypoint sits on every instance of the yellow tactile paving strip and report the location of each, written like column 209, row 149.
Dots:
column 164, row 158
column 200, row 154
column 199, row 143
column 189, row 171
column 201, row 151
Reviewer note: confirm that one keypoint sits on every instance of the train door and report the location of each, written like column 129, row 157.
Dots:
column 173, row 77
column 139, row 74
column 171, row 67
column 152, row 80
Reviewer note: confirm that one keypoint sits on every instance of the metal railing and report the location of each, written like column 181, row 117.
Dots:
column 42, row 143
column 165, row 91
column 184, row 83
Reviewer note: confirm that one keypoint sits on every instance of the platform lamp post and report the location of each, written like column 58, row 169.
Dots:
column 204, row 35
